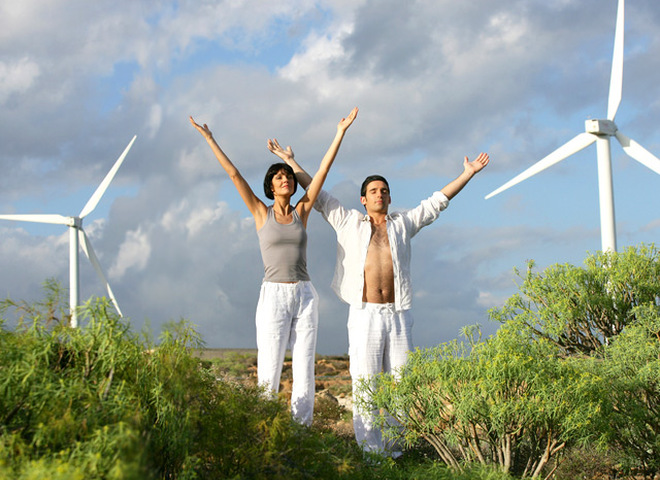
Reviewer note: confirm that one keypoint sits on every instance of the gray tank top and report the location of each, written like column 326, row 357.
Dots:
column 283, row 249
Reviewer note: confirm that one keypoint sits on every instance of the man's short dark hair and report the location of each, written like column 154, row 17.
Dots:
column 273, row 170
column 368, row 180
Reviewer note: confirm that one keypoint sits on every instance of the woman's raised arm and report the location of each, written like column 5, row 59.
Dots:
column 254, row 204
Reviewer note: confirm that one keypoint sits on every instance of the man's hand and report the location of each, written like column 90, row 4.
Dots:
column 469, row 169
column 285, row 155
column 346, row 122
column 476, row 165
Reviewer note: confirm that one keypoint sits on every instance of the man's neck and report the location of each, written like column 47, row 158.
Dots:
column 377, row 218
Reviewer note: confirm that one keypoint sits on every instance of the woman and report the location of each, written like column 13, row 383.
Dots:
column 287, row 311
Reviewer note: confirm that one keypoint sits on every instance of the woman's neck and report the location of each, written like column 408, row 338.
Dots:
column 282, row 206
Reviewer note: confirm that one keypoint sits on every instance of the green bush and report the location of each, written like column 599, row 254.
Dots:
column 505, row 401
column 607, row 311
column 581, row 308
column 102, row 402
column 631, row 365
column 575, row 365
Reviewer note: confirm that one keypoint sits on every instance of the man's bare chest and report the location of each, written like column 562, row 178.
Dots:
column 378, row 268
column 379, row 236
column 379, row 244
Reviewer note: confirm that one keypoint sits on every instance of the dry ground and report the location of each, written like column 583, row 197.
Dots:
column 333, row 404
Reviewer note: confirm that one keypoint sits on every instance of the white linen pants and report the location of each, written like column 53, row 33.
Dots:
column 287, row 317
column 379, row 339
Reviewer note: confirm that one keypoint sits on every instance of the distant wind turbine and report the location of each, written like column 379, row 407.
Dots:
column 599, row 131
column 77, row 236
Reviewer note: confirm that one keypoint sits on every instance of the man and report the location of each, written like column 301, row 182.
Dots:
column 372, row 275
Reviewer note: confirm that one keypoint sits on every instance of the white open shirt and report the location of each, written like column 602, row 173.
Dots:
column 353, row 230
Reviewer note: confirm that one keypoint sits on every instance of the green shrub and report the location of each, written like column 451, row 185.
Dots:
column 574, row 364
column 102, row 402
column 632, row 366
column 505, row 401
column 574, row 368
column 607, row 310
column 581, row 308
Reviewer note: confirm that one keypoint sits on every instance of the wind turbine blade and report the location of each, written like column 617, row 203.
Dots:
column 639, row 153
column 89, row 252
column 574, row 145
column 37, row 218
column 96, row 197
column 616, row 78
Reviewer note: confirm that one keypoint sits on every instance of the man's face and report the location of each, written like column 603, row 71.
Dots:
column 377, row 197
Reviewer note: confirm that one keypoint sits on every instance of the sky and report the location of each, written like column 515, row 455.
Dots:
column 434, row 80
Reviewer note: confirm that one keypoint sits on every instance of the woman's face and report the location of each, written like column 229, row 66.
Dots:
column 282, row 183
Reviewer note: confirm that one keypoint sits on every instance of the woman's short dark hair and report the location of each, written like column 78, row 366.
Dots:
column 368, row 180
column 273, row 170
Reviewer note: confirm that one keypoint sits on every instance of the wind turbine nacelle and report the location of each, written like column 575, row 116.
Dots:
column 600, row 127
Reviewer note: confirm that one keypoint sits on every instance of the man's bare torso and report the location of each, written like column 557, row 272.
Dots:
column 378, row 269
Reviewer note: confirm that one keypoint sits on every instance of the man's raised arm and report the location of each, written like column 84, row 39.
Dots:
column 304, row 178
column 469, row 170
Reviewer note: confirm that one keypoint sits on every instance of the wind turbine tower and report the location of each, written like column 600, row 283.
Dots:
column 78, row 238
column 600, row 132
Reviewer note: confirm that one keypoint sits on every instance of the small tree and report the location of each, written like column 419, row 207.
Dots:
column 509, row 400
column 607, row 309
column 581, row 308
column 632, row 366
column 575, row 361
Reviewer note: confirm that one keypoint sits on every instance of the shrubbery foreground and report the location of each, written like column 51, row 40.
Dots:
column 102, row 402
column 572, row 373
column 574, row 365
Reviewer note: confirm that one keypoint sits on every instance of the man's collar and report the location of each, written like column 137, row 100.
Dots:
column 367, row 218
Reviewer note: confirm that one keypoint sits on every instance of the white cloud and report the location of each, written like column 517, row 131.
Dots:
column 490, row 300
column 320, row 51
column 203, row 217
column 133, row 254
column 155, row 120
column 17, row 77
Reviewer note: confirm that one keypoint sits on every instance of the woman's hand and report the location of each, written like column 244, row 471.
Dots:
column 346, row 122
column 204, row 130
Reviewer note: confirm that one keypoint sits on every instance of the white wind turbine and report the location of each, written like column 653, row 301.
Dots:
column 599, row 131
column 77, row 236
